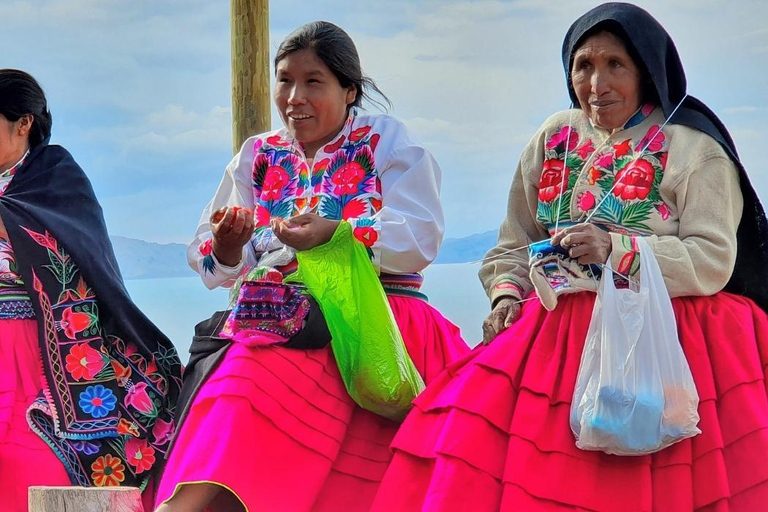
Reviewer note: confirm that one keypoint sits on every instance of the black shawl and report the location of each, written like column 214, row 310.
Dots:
column 653, row 46
column 111, row 378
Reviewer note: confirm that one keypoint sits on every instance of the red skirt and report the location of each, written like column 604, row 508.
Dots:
column 277, row 428
column 492, row 432
column 25, row 459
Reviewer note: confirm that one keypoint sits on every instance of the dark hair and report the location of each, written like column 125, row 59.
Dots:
column 612, row 27
column 337, row 51
column 20, row 95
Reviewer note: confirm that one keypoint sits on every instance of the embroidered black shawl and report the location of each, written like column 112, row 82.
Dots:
column 111, row 378
column 656, row 51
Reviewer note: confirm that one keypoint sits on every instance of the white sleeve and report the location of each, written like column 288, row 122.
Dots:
column 234, row 190
column 410, row 222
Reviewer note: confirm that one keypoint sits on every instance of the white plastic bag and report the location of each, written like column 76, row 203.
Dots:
column 634, row 392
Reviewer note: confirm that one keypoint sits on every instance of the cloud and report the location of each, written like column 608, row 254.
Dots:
column 140, row 90
column 744, row 109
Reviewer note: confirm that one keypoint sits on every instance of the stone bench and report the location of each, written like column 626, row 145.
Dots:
column 85, row 499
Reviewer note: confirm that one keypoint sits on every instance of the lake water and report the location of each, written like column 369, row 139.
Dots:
column 176, row 305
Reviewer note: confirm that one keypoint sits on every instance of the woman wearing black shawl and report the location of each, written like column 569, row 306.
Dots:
column 493, row 433
column 87, row 383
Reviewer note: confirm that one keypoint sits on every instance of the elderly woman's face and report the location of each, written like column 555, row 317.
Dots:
column 606, row 80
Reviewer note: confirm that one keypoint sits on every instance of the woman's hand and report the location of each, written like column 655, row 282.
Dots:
column 586, row 243
column 504, row 314
column 304, row 232
column 232, row 227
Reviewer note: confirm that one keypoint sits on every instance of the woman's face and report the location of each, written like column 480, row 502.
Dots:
column 311, row 101
column 14, row 140
column 606, row 80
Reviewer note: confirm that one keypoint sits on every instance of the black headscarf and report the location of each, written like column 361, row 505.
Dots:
column 653, row 47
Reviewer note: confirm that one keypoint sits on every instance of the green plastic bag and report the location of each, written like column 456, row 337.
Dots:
column 378, row 372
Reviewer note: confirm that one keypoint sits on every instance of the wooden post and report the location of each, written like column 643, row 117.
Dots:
column 251, row 101
column 85, row 499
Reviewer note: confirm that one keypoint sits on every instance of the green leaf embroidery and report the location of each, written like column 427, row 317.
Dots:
column 635, row 214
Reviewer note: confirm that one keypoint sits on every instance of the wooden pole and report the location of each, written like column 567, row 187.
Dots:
column 251, row 101
column 85, row 499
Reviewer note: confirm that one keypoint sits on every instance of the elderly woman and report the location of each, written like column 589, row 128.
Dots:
column 492, row 433
column 87, row 382
column 293, row 439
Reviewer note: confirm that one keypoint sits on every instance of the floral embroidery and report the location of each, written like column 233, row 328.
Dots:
column 552, row 180
column 83, row 362
column 634, row 181
column 126, row 427
column 87, row 447
column 554, row 202
column 206, row 249
column 139, row 399
column 163, row 431
column 139, row 454
column 359, row 133
column 586, row 201
column 342, row 185
column 108, row 471
column 366, row 234
column 83, row 414
column 74, row 322
column 97, row 401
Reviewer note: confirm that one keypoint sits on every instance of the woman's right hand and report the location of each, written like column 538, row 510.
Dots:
column 232, row 227
column 504, row 314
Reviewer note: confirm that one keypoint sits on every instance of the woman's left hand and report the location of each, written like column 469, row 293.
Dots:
column 586, row 243
column 304, row 232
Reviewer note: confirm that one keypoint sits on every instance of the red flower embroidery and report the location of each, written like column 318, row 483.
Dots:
column 366, row 234
column 127, row 427
column 566, row 134
column 332, row 148
column 359, row 133
column 654, row 139
column 586, row 201
column 663, row 161
column 163, row 431
column 604, row 161
column 593, row 174
column 552, row 179
column 275, row 140
column 347, row 178
column 321, row 166
column 635, row 180
column 274, row 180
column 374, row 141
column 139, row 454
column 663, row 210
column 74, row 323
column 206, row 247
column 108, row 471
column 138, row 398
column 622, row 149
column 585, row 150
column 83, row 362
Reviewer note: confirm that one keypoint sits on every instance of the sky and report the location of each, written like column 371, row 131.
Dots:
column 140, row 91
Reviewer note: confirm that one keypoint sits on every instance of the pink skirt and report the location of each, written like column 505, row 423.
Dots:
column 277, row 428
column 492, row 433
column 25, row 459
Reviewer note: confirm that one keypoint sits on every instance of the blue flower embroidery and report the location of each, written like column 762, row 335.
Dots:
column 87, row 447
column 97, row 401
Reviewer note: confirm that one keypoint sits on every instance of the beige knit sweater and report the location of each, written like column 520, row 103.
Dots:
column 677, row 188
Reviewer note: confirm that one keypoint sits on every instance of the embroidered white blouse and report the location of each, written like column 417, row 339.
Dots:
column 374, row 175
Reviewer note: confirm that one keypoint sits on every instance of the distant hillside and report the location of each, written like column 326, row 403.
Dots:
column 469, row 248
column 148, row 260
